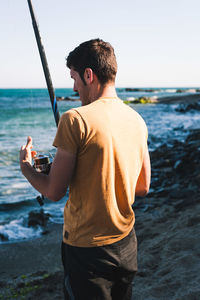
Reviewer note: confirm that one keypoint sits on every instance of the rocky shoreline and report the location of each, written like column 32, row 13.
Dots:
column 184, row 99
column 150, row 90
column 176, row 170
column 168, row 224
column 175, row 178
column 183, row 96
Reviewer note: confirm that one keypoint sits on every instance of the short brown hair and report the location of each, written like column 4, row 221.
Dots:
column 97, row 55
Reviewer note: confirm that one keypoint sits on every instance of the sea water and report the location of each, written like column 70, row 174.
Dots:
column 26, row 112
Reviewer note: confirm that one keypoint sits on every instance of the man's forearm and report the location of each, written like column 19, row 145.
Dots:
column 38, row 180
column 54, row 185
column 143, row 183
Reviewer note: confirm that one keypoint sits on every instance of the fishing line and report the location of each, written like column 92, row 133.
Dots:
column 32, row 122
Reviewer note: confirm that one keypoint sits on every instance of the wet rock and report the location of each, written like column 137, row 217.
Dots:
column 66, row 99
column 186, row 202
column 180, row 98
column 180, row 91
column 176, row 171
column 197, row 179
column 141, row 90
column 3, row 237
column 185, row 107
column 133, row 90
column 162, row 192
column 193, row 221
column 193, row 136
column 36, row 218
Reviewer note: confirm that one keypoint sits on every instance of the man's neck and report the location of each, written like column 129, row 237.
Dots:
column 107, row 91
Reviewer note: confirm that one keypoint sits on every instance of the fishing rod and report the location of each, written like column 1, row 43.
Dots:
column 42, row 164
column 44, row 65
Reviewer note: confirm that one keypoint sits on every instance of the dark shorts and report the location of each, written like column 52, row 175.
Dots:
column 100, row 273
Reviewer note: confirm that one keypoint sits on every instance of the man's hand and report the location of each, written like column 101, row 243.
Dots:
column 54, row 185
column 25, row 153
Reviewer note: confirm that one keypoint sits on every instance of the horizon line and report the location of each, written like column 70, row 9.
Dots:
column 117, row 87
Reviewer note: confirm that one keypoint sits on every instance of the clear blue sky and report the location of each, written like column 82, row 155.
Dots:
column 157, row 42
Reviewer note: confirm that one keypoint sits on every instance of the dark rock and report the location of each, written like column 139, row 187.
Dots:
column 21, row 285
column 72, row 98
column 197, row 179
column 140, row 90
column 193, row 221
column 162, row 191
column 58, row 98
column 193, row 136
column 133, row 90
column 184, row 97
column 175, row 171
column 36, row 218
column 45, row 232
column 186, row 202
column 3, row 237
column 180, row 193
column 177, row 164
column 185, row 107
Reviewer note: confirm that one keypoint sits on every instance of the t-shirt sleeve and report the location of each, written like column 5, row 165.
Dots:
column 70, row 132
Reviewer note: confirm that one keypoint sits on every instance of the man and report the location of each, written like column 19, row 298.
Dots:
column 102, row 156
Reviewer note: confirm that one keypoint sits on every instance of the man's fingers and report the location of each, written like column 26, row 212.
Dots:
column 29, row 142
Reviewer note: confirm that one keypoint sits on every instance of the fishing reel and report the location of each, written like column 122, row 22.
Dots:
column 42, row 164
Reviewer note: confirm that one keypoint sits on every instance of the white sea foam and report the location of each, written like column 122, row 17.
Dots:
column 15, row 188
column 170, row 91
column 191, row 91
column 15, row 231
column 20, row 185
column 57, row 216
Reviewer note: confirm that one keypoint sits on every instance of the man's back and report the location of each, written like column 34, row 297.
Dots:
column 110, row 139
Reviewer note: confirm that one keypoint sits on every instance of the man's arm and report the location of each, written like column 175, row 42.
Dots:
column 143, row 182
column 54, row 185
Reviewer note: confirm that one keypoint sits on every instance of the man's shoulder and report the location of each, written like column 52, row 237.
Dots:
column 103, row 108
column 72, row 113
column 83, row 111
column 70, row 118
column 128, row 110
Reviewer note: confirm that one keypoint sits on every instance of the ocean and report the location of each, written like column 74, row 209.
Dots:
column 28, row 112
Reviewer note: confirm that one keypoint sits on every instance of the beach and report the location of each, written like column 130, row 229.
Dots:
column 32, row 263
column 167, row 227
column 168, row 259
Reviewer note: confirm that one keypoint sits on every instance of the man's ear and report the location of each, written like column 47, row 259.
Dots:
column 88, row 76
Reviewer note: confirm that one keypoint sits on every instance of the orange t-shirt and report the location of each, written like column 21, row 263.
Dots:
column 109, row 139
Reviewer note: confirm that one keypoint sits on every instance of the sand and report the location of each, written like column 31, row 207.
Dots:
column 168, row 254
column 32, row 267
